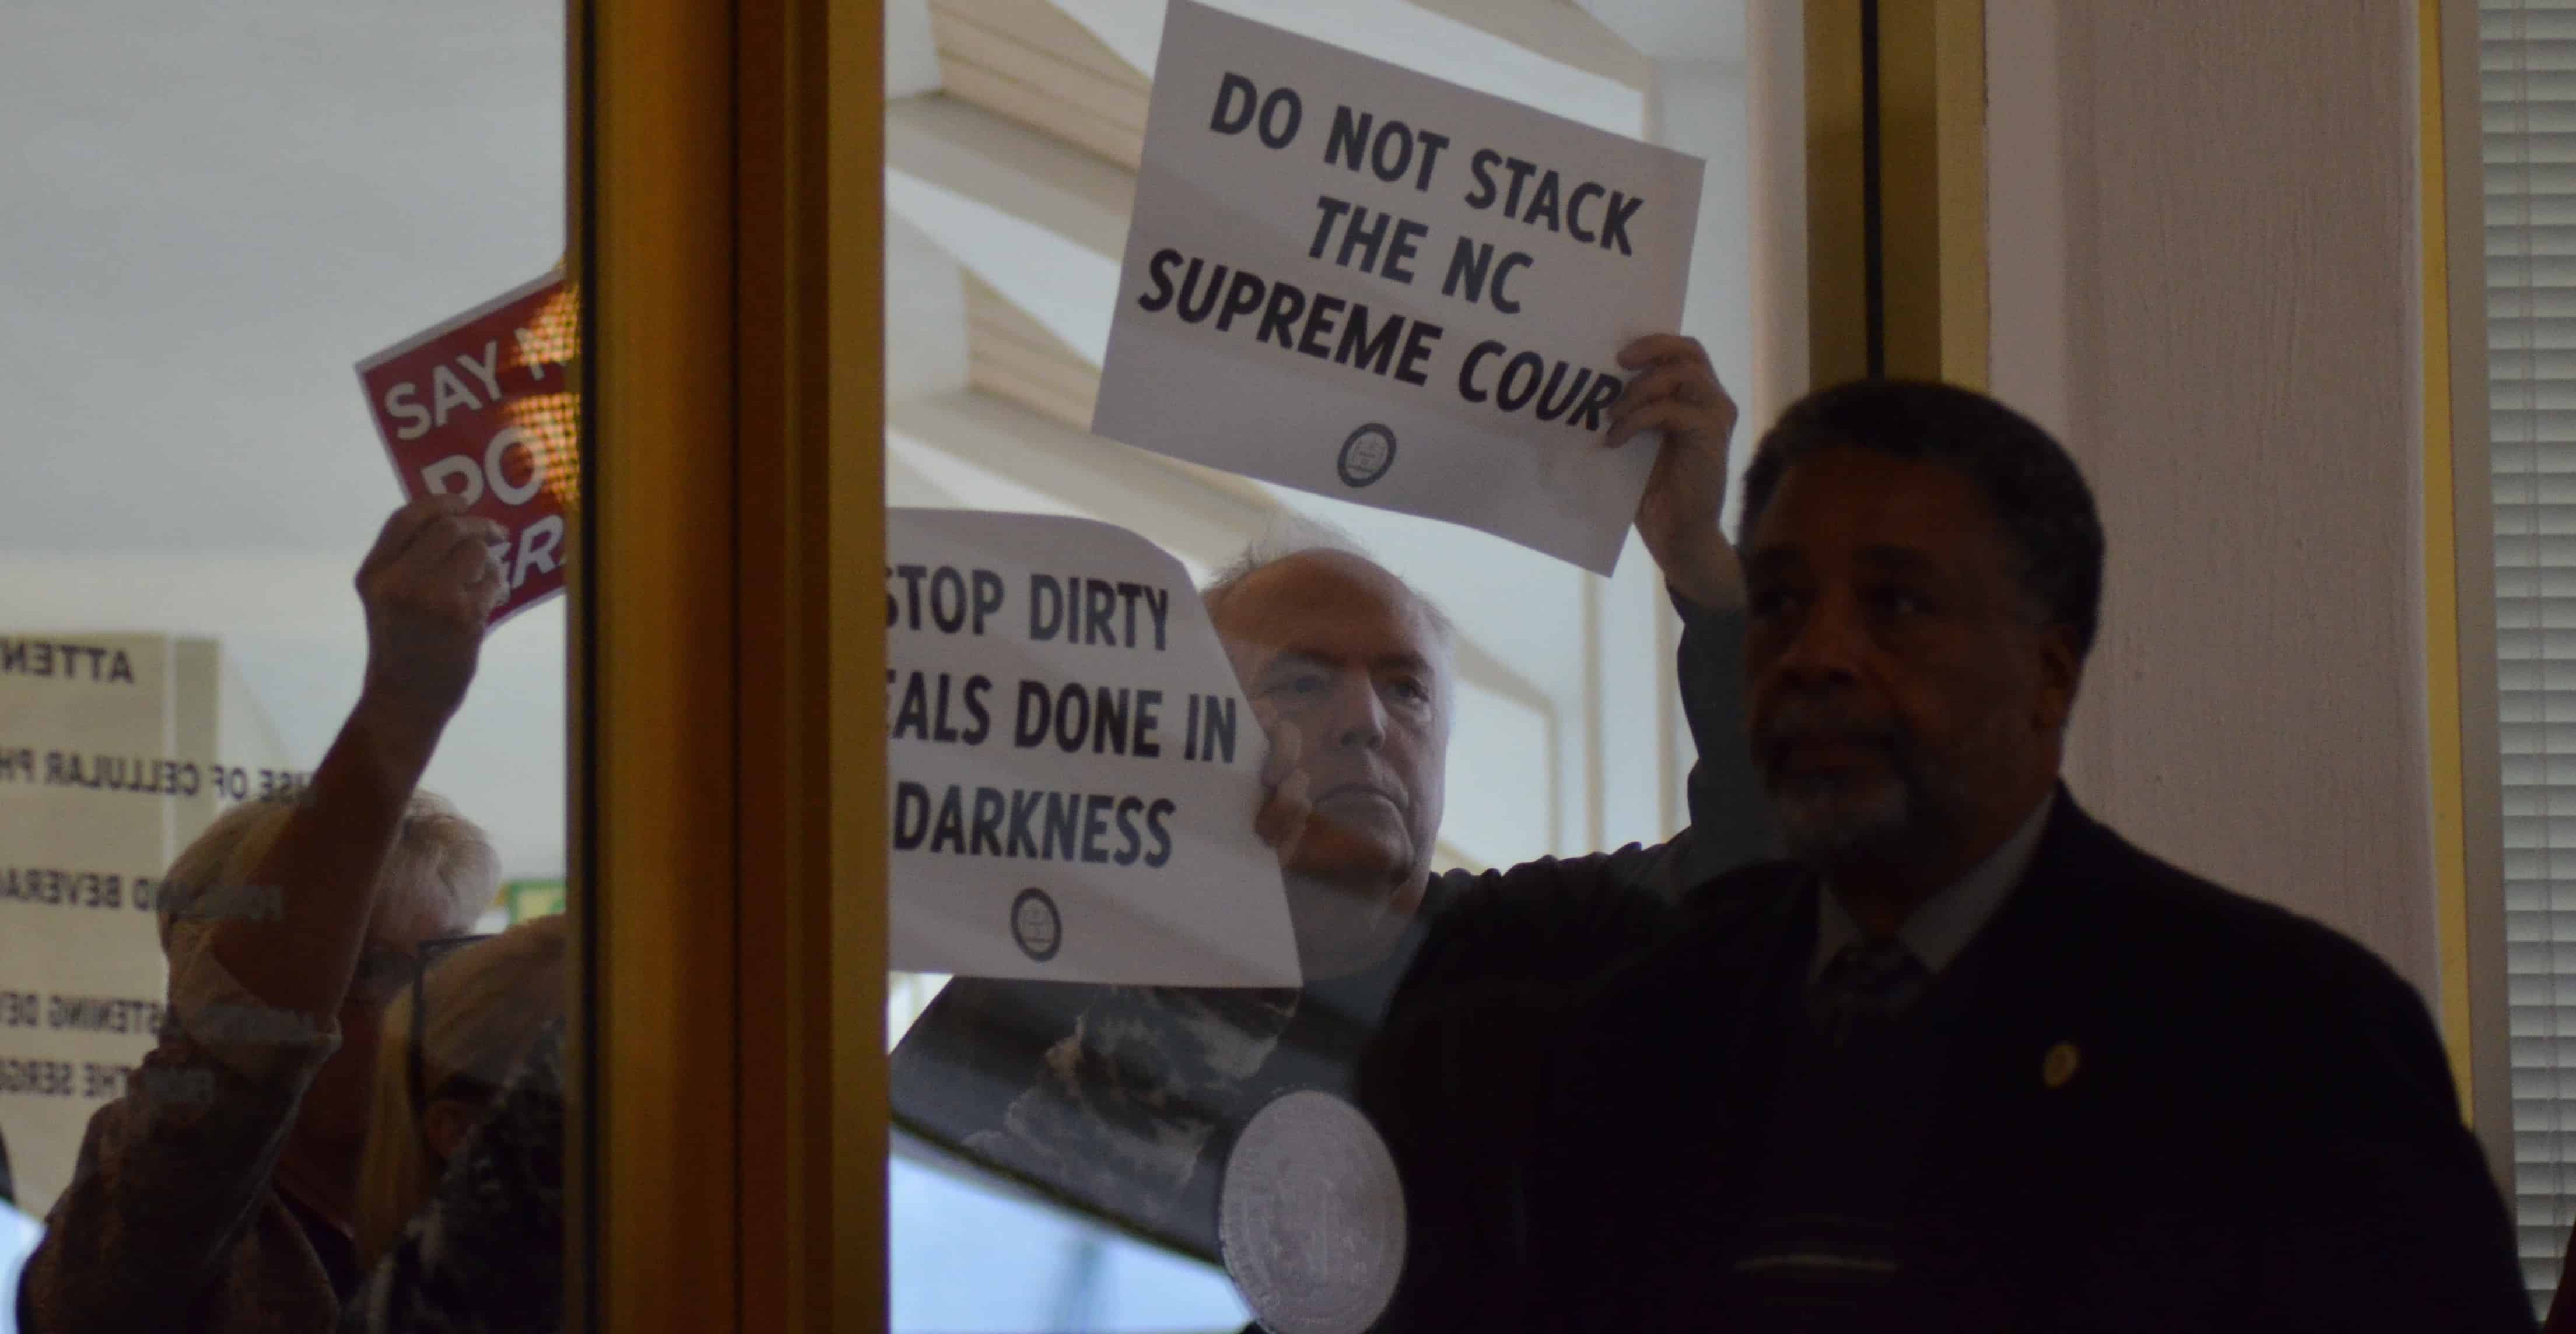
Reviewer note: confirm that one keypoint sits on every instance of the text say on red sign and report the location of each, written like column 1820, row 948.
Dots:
column 481, row 406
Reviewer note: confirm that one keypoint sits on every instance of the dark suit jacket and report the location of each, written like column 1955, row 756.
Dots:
column 2260, row 1132
column 2562, row 1303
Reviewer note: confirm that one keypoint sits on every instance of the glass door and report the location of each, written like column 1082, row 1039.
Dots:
column 283, row 658
column 1059, row 1149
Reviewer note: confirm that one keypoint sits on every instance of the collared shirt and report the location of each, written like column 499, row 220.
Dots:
column 1942, row 925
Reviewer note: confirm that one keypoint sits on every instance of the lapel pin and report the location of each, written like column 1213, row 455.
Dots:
column 2059, row 1065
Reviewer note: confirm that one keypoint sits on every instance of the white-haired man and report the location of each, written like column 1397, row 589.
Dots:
column 1124, row 1098
column 216, row 1194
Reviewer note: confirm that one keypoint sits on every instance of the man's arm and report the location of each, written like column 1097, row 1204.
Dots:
column 1675, row 393
column 1730, row 814
column 171, row 1173
column 428, row 587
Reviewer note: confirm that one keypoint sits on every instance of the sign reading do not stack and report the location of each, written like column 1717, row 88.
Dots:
column 1360, row 281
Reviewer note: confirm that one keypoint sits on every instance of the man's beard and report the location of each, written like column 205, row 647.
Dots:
column 1830, row 819
column 1838, row 817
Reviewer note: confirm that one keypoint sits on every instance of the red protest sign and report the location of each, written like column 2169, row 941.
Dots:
column 482, row 406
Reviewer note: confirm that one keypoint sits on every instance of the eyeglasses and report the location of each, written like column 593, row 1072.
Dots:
column 424, row 957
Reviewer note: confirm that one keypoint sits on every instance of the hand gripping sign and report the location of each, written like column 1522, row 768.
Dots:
column 482, row 406
column 1360, row 281
column 1071, row 766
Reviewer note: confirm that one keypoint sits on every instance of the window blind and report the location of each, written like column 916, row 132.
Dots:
column 2527, row 64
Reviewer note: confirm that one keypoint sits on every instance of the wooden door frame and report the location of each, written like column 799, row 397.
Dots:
column 727, row 1160
column 1896, row 190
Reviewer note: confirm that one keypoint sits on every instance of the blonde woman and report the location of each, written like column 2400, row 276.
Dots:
column 448, row 1046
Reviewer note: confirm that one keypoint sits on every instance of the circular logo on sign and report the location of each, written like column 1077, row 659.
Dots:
column 1310, row 1216
column 1036, row 924
column 1367, row 455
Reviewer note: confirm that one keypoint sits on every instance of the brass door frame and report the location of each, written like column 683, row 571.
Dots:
column 2459, row 576
column 1896, row 190
column 727, row 1158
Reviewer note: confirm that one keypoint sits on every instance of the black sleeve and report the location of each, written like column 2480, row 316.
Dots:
column 1731, row 822
column 2562, row 1302
column 1558, row 921
column 2387, row 1217
column 1457, row 1076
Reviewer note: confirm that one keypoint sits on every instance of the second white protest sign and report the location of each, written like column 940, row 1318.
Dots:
column 1073, row 769
column 1360, row 281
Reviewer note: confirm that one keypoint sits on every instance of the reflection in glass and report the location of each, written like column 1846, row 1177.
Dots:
column 1013, row 137
column 218, row 214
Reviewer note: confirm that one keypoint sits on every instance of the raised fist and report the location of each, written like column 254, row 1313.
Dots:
column 429, row 587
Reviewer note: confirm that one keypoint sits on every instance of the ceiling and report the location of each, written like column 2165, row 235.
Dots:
column 192, row 259
column 213, row 213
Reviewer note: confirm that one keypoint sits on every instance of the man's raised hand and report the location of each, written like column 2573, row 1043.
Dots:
column 1288, row 799
column 429, row 586
column 1675, row 391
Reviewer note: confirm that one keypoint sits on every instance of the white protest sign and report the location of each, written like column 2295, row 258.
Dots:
column 1356, row 280
column 1072, row 767
column 116, row 750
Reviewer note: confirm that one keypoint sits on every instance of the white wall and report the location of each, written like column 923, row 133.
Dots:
column 2205, row 275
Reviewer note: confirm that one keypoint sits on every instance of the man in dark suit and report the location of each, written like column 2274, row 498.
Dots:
column 1970, row 1061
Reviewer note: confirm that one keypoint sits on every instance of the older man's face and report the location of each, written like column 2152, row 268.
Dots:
column 1339, row 649
column 1901, row 689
